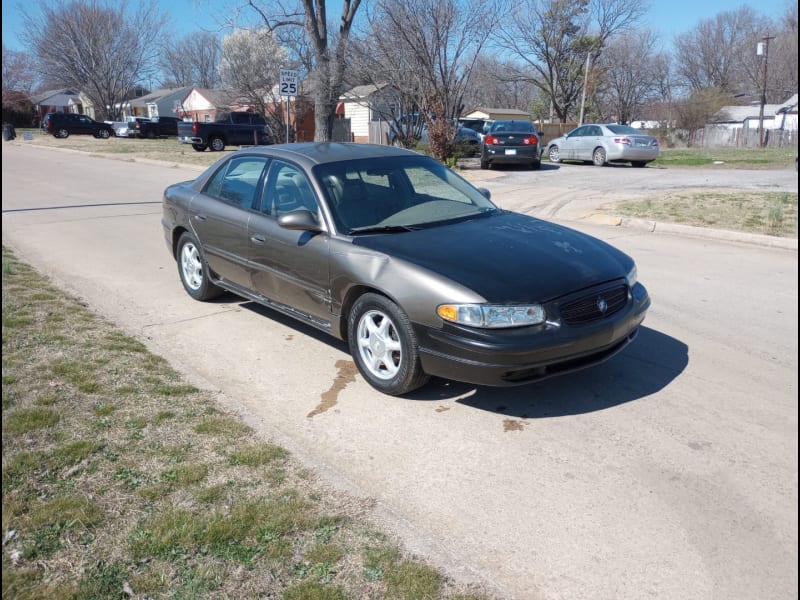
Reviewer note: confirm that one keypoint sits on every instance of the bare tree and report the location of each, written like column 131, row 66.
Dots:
column 426, row 53
column 721, row 52
column 192, row 60
column 19, row 72
column 250, row 61
column 497, row 83
column 556, row 39
column 631, row 73
column 696, row 110
column 329, row 50
column 101, row 47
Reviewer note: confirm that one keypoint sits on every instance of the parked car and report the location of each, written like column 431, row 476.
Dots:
column 133, row 125
column 62, row 125
column 400, row 256
column 511, row 142
column 120, row 128
column 603, row 144
column 466, row 137
column 155, row 127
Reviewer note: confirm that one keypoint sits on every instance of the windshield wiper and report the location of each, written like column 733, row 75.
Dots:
column 384, row 229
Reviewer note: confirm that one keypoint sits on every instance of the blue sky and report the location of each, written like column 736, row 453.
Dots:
column 667, row 17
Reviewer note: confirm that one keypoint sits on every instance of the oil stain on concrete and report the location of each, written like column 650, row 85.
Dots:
column 346, row 374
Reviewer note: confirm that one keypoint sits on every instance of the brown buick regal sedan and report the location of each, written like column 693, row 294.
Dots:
column 398, row 255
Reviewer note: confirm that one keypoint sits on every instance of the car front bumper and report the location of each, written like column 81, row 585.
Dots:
column 508, row 357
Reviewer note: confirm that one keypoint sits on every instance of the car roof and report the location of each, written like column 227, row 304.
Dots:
column 318, row 153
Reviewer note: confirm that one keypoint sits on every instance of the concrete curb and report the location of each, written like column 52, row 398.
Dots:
column 693, row 231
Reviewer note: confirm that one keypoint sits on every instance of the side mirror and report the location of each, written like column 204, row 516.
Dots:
column 485, row 193
column 300, row 220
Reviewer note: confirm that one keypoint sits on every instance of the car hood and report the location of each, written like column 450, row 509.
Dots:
column 507, row 257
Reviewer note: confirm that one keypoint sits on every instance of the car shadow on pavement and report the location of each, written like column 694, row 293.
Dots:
column 648, row 365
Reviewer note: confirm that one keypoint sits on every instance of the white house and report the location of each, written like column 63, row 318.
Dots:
column 364, row 105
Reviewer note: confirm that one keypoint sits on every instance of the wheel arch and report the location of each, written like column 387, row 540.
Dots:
column 350, row 298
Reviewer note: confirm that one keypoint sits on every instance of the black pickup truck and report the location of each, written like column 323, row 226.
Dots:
column 230, row 129
column 153, row 128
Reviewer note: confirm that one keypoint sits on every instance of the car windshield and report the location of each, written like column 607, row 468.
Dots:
column 624, row 130
column 396, row 194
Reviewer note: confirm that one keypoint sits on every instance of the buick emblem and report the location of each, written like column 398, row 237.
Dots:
column 602, row 305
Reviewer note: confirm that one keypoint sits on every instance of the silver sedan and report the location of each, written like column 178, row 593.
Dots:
column 603, row 144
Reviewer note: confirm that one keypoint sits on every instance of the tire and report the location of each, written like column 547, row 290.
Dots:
column 485, row 164
column 62, row 133
column 217, row 144
column 638, row 163
column 599, row 157
column 151, row 135
column 383, row 346
column 199, row 147
column 536, row 165
column 193, row 269
column 103, row 134
column 553, row 154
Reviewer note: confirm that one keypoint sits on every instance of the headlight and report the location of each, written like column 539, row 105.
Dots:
column 632, row 277
column 492, row 316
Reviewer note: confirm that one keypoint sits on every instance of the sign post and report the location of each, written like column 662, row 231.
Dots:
column 288, row 88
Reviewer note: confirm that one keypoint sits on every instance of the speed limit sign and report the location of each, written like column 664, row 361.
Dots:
column 288, row 82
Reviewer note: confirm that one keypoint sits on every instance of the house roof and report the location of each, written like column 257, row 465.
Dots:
column 362, row 91
column 62, row 97
column 495, row 113
column 739, row 114
column 164, row 99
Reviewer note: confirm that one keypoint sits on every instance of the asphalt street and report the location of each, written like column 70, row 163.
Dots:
column 669, row 472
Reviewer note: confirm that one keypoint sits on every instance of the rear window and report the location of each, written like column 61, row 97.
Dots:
column 517, row 126
column 624, row 129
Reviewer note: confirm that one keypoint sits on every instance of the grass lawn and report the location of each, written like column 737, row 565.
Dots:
column 122, row 480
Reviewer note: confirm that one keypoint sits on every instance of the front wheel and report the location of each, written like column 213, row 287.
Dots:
column 193, row 269
column 599, row 157
column 104, row 134
column 383, row 346
column 553, row 154
column 217, row 144
column 62, row 133
column 199, row 147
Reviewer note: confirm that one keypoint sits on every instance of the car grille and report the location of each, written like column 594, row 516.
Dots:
column 595, row 306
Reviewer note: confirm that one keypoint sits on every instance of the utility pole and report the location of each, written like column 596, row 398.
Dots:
column 585, row 82
column 763, row 50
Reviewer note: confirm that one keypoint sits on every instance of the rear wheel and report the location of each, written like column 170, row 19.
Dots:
column 62, row 133
column 485, row 164
column 217, row 144
column 151, row 135
column 553, row 154
column 383, row 345
column 193, row 269
column 599, row 157
column 104, row 134
column 199, row 147
column 536, row 165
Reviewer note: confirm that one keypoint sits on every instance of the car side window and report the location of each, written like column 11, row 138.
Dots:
column 287, row 189
column 237, row 181
column 596, row 130
column 579, row 132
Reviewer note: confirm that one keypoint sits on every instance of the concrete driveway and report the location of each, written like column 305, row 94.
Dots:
column 670, row 472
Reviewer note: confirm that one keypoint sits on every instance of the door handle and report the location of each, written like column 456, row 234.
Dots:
column 200, row 217
column 258, row 239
